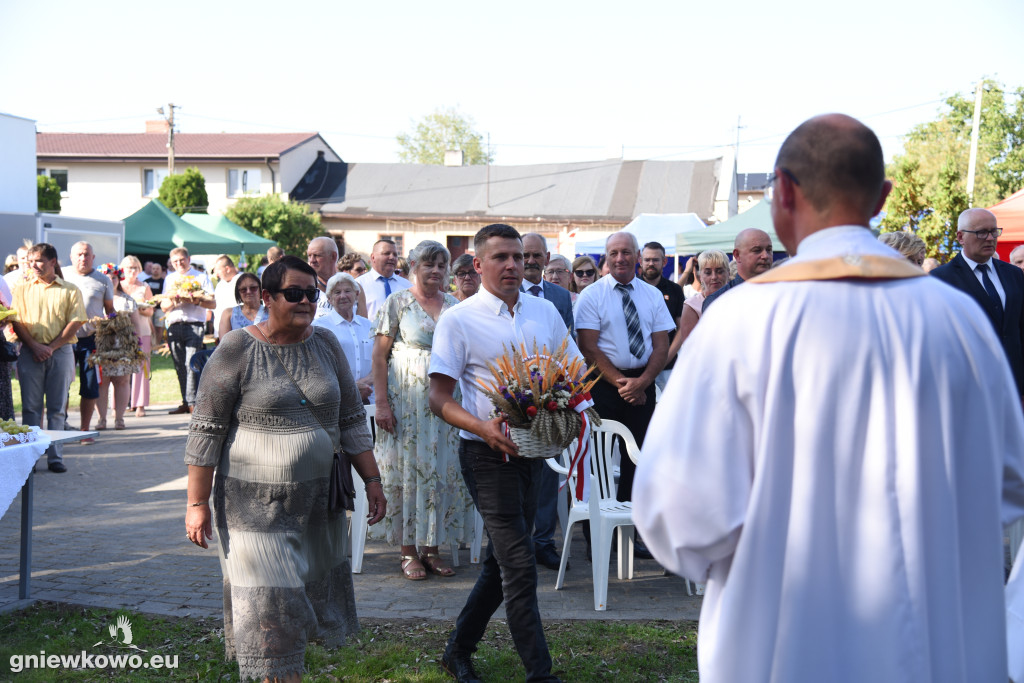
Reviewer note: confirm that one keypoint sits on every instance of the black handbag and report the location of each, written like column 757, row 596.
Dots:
column 341, row 494
column 8, row 352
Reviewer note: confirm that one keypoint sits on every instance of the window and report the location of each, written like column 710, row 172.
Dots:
column 152, row 179
column 58, row 174
column 243, row 181
column 398, row 240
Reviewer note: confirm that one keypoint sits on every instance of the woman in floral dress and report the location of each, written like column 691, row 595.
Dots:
column 417, row 451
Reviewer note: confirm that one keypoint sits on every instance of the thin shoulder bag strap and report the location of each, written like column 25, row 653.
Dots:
column 305, row 401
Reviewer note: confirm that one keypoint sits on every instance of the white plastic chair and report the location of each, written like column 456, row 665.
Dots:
column 602, row 510
column 359, row 527
column 357, row 522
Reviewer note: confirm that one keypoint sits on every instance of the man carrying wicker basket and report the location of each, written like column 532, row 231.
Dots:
column 528, row 339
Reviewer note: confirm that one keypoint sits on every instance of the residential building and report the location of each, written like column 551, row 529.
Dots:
column 361, row 203
column 112, row 175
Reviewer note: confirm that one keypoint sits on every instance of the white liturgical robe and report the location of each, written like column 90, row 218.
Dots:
column 836, row 459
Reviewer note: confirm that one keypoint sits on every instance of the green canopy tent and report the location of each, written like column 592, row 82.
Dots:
column 155, row 229
column 723, row 235
column 220, row 225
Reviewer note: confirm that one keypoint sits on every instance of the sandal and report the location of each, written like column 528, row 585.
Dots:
column 411, row 571
column 433, row 563
column 119, row 423
column 102, row 424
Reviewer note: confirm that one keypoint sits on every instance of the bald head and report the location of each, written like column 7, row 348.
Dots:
column 1017, row 256
column 836, row 160
column 752, row 252
column 322, row 256
column 976, row 232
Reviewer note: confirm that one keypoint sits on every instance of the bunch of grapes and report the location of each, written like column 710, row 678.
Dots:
column 12, row 427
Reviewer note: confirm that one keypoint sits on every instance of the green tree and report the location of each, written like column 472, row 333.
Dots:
column 930, row 176
column 290, row 224
column 185, row 193
column 48, row 194
column 439, row 132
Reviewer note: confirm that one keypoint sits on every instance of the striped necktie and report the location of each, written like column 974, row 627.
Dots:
column 636, row 337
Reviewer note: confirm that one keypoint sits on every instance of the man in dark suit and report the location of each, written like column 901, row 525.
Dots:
column 998, row 287
column 535, row 259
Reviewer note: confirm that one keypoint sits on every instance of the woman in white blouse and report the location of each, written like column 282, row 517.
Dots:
column 354, row 332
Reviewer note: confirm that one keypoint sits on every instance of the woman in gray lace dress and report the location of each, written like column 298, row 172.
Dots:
column 274, row 402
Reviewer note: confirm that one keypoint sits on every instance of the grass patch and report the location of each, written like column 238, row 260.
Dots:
column 385, row 650
column 163, row 386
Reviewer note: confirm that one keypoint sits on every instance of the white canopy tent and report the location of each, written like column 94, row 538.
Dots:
column 652, row 227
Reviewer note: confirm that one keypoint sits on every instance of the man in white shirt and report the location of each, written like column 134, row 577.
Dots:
column 838, row 450
column 322, row 256
column 185, row 319
column 381, row 281
column 224, row 294
column 622, row 325
column 98, row 297
column 504, row 488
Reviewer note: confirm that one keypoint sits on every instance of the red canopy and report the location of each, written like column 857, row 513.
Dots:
column 1010, row 215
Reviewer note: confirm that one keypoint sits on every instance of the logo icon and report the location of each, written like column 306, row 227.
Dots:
column 121, row 634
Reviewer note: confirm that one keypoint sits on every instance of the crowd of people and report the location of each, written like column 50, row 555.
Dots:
column 836, row 423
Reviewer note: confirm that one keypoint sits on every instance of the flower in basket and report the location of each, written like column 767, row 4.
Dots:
column 545, row 394
column 187, row 286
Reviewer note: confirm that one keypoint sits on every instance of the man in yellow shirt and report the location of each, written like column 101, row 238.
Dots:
column 50, row 311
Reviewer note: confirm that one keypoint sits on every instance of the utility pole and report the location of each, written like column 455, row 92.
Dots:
column 975, row 126
column 169, row 117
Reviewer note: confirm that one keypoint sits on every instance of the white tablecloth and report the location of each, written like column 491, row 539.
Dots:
column 15, row 464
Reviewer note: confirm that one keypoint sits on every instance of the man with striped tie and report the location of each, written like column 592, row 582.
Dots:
column 381, row 281
column 622, row 325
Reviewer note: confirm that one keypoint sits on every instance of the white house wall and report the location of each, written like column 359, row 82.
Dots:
column 113, row 191
column 18, row 192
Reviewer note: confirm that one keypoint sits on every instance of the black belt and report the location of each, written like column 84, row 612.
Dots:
column 187, row 322
column 633, row 372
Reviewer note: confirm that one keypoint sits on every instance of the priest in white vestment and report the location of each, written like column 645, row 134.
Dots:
column 842, row 480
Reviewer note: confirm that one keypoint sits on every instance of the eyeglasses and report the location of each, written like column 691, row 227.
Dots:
column 986, row 234
column 769, row 189
column 463, row 274
column 358, row 270
column 590, row 272
column 293, row 295
column 246, row 290
column 557, row 271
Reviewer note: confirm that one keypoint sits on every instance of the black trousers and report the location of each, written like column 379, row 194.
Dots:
column 505, row 494
column 610, row 406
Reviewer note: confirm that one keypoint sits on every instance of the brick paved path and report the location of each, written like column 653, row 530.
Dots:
column 110, row 533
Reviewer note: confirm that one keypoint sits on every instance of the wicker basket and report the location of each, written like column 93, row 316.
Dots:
column 530, row 446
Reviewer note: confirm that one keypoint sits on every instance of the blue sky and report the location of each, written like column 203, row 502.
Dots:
column 549, row 81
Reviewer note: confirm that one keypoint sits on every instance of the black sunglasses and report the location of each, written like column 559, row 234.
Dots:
column 585, row 273
column 293, row 295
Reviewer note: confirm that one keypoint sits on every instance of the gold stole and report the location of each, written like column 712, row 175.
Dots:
column 863, row 266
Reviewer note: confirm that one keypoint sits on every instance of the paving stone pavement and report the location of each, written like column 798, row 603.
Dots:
column 110, row 533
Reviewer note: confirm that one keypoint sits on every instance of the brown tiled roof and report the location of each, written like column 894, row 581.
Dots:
column 154, row 145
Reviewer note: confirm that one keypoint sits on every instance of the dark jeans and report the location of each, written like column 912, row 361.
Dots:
column 610, row 406
column 184, row 339
column 505, row 495
column 88, row 377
